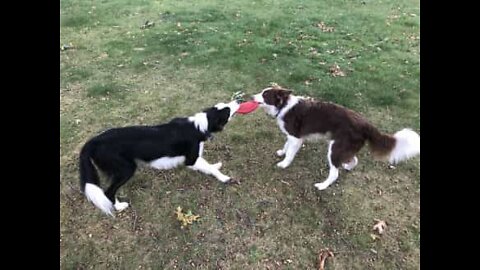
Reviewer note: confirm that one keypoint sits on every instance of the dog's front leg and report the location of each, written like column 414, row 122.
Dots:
column 293, row 145
column 211, row 169
column 282, row 152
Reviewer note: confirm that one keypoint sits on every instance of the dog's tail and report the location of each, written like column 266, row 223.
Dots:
column 89, row 181
column 401, row 146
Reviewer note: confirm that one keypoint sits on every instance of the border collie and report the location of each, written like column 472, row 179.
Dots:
column 178, row 142
column 303, row 119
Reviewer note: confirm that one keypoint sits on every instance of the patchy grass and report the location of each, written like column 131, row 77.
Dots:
column 197, row 54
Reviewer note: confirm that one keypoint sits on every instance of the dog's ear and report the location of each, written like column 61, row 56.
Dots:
column 282, row 97
column 287, row 92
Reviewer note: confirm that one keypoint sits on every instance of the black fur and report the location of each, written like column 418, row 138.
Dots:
column 115, row 151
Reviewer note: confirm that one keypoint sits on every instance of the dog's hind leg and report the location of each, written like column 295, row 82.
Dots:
column 124, row 171
column 333, row 173
column 340, row 153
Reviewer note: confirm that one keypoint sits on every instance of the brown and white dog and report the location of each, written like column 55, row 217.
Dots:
column 347, row 131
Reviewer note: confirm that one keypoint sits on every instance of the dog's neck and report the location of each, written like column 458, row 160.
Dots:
column 292, row 101
column 200, row 121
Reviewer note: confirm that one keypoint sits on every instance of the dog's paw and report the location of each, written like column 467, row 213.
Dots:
column 283, row 164
column 280, row 153
column 321, row 186
column 224, row 179
column 120, row 206
column 352, row 164
column 217, row 165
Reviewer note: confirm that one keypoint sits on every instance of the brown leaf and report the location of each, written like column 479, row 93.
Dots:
column 67, row 47
column 275, row 85
column 380, row 226
column 234, row 182
column 324, row 254
column 147, row 24
column 324, row 27
column 103, row 56
column 336, row 71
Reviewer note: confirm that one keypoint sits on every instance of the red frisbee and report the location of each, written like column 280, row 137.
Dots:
column 247, row 107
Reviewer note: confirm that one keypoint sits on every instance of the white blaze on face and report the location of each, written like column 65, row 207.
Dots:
column 233, row 106
column 259, row 97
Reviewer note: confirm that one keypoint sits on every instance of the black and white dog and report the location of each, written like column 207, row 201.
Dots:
column 178, row 142
column 303, row 119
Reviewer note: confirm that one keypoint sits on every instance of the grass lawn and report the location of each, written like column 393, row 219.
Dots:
column 197, row 54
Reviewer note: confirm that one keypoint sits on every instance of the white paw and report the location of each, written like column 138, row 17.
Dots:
column 224, row 178
column 321, row 186
column 280, row 153
column 352, row 164
column 347, row 166
column 283, row 164
column 120, row 206
column 217, row 165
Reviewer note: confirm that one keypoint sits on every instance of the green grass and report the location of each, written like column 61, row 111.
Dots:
column 197, row 54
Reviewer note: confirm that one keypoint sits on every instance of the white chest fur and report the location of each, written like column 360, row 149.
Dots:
column 292, row 101
column 281, row 125
column 166, row 163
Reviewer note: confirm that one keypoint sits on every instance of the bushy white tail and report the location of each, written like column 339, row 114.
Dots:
column 97, row 197
column 407, row 145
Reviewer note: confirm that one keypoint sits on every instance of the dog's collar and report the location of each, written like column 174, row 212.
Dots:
column 279, row 111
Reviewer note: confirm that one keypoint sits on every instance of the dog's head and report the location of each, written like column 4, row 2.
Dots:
column 219, row 115
column 273, row 99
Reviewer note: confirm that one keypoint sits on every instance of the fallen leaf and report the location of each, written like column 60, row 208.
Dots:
column 187, row 218
column 147, row 24
column 65, row 47
column 324, row 254
column 324, row 27
column 380, row 226
column 336, row 71
column 103, row 55
column 275, row 85
column 234, row 182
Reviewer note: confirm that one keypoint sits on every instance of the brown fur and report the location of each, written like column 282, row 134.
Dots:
column 349, row 129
